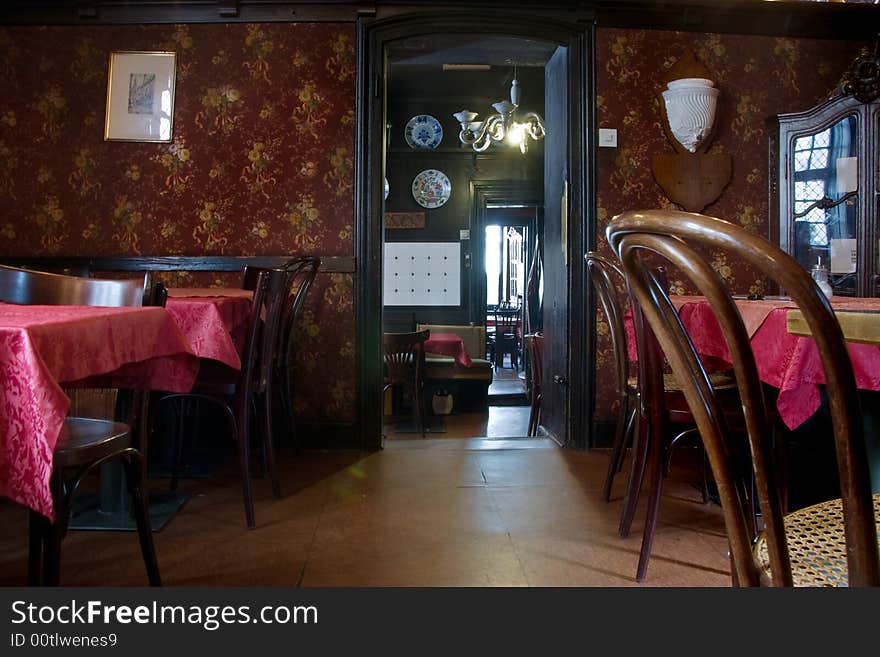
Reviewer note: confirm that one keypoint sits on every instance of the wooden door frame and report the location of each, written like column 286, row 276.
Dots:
column 480, row 194
column 575, row 31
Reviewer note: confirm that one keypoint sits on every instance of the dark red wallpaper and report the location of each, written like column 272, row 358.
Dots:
column 758, row 77
column 261, row 161
column 262, row 158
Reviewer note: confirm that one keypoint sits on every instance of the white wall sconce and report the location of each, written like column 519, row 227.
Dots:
column 691, row 176
column 690, row 108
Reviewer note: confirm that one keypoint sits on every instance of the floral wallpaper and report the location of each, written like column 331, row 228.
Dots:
column 758, row 76
column 262, row 157
column 261, row 162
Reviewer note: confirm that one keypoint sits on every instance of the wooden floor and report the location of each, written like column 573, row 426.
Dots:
column 498, row 422
column 438, row 511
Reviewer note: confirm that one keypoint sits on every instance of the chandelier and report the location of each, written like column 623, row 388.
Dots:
column 503, row 126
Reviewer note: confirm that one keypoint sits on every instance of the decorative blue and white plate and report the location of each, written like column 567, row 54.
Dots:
column 431, row 188
column 423, row 131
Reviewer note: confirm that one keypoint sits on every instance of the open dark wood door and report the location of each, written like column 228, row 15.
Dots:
column 556, row 399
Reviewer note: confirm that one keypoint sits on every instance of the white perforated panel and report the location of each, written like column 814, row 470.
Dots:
column 422, row 274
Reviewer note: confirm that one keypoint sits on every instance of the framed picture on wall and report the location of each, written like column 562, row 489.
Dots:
column 140, row 96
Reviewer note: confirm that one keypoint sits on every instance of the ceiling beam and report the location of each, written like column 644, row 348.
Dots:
column 800, row 19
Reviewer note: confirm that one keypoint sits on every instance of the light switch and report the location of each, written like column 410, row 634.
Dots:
column 608, row 137
column 464, row 234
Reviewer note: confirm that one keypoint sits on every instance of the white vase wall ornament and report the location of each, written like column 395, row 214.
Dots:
column 690, row 110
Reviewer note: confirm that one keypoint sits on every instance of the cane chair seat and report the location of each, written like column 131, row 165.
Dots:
column 816, row 545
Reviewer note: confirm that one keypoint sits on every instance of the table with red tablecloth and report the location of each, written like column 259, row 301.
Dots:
column 787, row 362
column 212, row 319
column 42, row 347
column 448, row 344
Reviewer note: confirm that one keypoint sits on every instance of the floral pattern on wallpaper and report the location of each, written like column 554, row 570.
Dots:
column 261, row 162
column 758, row 76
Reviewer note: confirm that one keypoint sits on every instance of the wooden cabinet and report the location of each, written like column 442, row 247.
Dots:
column 824, row 182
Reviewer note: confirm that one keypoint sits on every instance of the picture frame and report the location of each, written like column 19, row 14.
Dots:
column 140, row 96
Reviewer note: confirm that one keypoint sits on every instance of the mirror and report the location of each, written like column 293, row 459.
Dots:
column 824, row 178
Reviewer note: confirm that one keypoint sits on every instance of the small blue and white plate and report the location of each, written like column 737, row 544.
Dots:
column 423, row 131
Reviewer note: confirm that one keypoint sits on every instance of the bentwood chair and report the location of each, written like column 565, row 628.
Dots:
column 534, row 344
column 303, row 271
column 605, row 276
column 240, row 392
column 404, row 358
column 831, row 543
column 650, row 405
column 84, row 444
column 33, row 287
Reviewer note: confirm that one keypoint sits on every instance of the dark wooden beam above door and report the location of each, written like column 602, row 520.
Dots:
column 786, row 18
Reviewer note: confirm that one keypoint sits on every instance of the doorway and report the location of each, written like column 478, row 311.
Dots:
column 505, row 258
column 377, row 142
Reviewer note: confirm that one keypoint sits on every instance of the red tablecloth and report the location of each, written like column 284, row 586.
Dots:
column 448, row 344
column 212, row 319
column 42, row 346
column 785, row 361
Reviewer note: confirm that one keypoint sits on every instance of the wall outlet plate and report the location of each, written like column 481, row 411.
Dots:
column 607, row 137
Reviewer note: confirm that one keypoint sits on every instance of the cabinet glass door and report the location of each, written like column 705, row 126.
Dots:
column 824, row 168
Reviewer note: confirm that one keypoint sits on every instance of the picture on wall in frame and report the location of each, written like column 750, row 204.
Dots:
column 140, row 96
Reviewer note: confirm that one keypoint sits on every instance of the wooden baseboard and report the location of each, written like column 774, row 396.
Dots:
column 602, row 434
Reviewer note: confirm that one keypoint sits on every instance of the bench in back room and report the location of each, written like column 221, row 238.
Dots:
column 468, row 385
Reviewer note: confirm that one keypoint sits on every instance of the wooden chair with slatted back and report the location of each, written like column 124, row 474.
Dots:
column 506, row 337
column 84, row 443
column 404, row 358
column 832, row 543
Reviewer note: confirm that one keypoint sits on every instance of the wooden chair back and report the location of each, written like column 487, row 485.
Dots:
column 303, row 271
column 606, row 277
column 682, row 238
column 404, row 356
column 299, row 275
column 32, row 287
column 506, row 320
column 261, row 348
